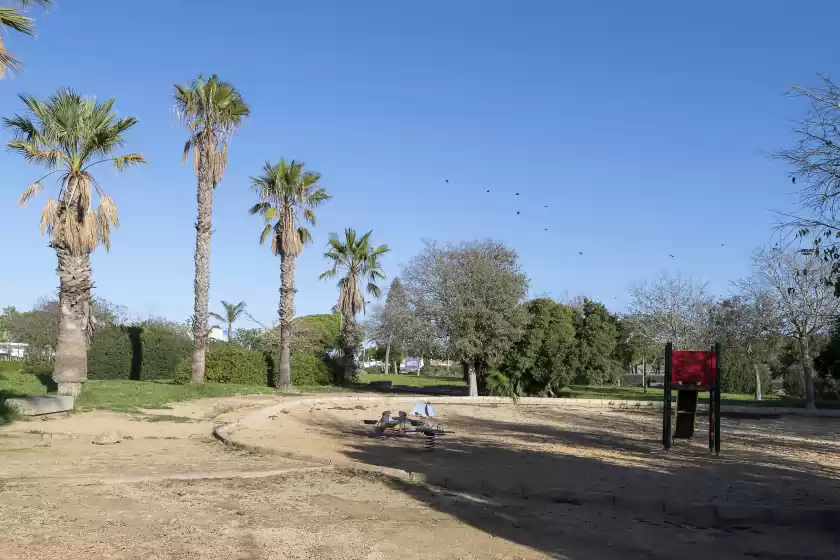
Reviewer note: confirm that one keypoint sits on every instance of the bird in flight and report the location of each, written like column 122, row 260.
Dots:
column 446, row 180
column 580, row 252
column 517, row 212
column 793, row 180
column 546, row 229
column 488, row 190
column 517, row 194
column 546, row 206
column 670, row 255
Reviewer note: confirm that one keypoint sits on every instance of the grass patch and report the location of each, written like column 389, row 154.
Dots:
column 408, row 380
column 128, row 396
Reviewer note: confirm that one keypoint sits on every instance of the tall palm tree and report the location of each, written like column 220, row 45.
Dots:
column 69, row 135
column 230, row 315
column 357, row 261
column 212, row 111
column 288, row 196
column 12, row 18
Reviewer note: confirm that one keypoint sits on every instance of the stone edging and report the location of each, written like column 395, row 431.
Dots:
column 692, row 513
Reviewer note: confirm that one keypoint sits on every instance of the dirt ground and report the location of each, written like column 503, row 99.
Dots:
column 61, row 496
column 789, row 460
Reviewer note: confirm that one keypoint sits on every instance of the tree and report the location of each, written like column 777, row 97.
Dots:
column 358, row 262
column 70, row 135
column 544, row 359
column 212, row 111
column 288, row 196
column 672, row 310
column 814, row 162
column 748, row 322
column 469, row 296
column 390, row 323
column 230, row 315
column 7, row 317
column 802, row 301
column 596, row 332
column 12, row 18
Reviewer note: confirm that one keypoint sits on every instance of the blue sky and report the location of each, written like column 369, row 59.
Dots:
column 644, row 126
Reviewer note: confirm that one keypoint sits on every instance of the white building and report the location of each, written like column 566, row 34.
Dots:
column 12, row 350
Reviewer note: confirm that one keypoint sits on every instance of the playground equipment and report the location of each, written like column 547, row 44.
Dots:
column 690, row 372
column 405, row 426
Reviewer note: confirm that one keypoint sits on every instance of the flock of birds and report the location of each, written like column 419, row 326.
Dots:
column 518, row 212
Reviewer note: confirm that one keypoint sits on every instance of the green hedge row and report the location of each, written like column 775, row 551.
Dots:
column 136, row 352
column 231, row 363
column 228, row 363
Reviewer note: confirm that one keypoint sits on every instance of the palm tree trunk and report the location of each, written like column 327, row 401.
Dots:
column 348, row 339
column 75, row 285
column 201, row 285
column 287, row 315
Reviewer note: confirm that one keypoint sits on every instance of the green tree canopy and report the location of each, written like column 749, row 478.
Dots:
column 544, row 360
column 470, row 295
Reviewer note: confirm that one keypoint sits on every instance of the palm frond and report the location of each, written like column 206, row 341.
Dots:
column 67, row 133
column 31, row 190
column 123, row 162
column 13, row 19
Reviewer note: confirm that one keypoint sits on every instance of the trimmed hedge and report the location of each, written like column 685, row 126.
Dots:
column 308, row 369
column 138, row 352
column 228, row 363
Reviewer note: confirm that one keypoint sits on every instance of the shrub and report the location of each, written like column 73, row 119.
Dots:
column 308, row 369
column 10, row 366
column 442, row 371
column 110, row 354
column 163, row 349
column 738, row 376
column 139, row 352
column 38, row 361
column 228, row 363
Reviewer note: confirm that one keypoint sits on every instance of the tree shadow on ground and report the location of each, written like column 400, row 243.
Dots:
column 504, row 472
column 532, row 458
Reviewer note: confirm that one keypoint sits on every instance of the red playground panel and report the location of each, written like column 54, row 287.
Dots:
column 693, row 367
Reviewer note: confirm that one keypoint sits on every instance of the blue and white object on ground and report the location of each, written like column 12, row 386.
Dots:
column 423, row 409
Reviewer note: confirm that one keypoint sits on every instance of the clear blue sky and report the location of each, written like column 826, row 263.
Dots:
column 644, row 126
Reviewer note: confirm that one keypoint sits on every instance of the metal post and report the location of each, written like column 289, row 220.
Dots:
column 717, row 398
column 712, row 415
column 666, row 405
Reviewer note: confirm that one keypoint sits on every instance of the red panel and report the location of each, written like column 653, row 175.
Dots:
column 691, row 366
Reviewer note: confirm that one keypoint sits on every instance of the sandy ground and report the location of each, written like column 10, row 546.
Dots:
column 54, row 503
column 330, row 515
column 773, row 461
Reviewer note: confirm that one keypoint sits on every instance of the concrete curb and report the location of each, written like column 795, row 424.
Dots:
column 700, row 514
column 91, row 480
column 266, row 412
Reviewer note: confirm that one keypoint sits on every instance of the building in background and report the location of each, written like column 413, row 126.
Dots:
column 12, row 351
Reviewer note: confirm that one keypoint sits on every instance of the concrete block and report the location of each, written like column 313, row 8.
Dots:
column 36, row 406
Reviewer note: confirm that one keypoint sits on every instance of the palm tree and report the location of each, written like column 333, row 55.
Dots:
column 212, row 110
column 230, row 315
column 287, row 193
column 12, row 18
column 69, row 135
column 358, row 262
